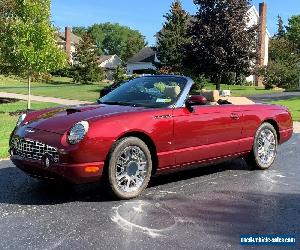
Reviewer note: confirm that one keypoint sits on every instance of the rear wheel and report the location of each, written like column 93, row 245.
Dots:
column 129, row 169
column 265, row 146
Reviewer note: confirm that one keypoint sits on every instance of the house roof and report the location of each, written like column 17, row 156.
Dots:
column 104, row 58
column 74, row 38
column 146, row 54
column 109, row 61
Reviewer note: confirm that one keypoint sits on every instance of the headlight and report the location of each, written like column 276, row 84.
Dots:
column 21, row 118
column 77, row 132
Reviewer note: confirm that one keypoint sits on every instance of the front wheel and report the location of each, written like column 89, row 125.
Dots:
column 130, row 168
column 264, row 149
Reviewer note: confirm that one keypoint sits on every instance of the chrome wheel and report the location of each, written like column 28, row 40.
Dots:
column 131, row 169
column 266, row 146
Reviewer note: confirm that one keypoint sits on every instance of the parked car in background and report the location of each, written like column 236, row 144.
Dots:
column 144, row 127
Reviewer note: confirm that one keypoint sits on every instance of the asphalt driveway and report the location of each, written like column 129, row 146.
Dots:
column 207, row 208
column 274, row 96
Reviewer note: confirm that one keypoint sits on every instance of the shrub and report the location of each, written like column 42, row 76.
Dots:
column 120, row 75
column 277, row 74
column 65, row 72
column 241, row 80
column 43, row 77
column 88, row 74
column 229, row 78
column 200, row 82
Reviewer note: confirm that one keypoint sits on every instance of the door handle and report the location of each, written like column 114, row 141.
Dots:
column 235, row 116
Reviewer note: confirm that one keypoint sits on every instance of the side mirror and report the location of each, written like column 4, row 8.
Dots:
column 195, row 100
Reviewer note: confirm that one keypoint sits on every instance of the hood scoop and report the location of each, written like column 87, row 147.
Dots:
column 72, row 111
column 79, row 109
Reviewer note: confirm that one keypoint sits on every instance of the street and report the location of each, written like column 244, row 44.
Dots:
column 206, row 208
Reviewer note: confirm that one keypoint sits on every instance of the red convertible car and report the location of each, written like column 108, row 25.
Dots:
column 144, row 127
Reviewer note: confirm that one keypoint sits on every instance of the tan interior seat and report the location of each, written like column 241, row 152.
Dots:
column 172, row 92
column 239, row 100
column 212, row 96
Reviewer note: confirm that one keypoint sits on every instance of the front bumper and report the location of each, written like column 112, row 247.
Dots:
column 75, row 173
column 285, row 135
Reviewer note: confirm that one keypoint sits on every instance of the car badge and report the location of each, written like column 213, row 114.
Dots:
column 30, row 131
column 47, row 162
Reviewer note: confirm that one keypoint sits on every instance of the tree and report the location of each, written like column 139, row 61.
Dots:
column 293, row 31
column 115, row 39
column 284, row 55
column 86, row 68
column 173, row 37
column 221, row 41
column 28, row 39
column 133, row 45
column 281, row 30
column 282, row 70
column 79, row 31
column 119, row 75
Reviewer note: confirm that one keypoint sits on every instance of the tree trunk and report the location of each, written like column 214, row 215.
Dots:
column 218, row 83
column 29, row 91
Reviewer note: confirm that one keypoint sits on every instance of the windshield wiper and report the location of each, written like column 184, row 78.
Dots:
column 115, row 103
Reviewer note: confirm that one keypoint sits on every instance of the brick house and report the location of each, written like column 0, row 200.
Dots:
column 68, row 41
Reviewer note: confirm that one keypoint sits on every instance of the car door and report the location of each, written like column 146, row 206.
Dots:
column 207, row 132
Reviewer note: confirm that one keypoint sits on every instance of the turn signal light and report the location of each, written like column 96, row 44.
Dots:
column 91, row 169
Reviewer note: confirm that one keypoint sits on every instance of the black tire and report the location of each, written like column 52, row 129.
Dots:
column 117, row 151
column 254, row 158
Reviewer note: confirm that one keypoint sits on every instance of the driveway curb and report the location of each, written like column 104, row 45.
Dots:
column 297, row 127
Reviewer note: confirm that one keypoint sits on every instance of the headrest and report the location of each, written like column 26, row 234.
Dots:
column 172, row 91
column 211, row 95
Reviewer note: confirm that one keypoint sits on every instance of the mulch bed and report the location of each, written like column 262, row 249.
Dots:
column 11, row 100
column 18, row 112
column 8, row 100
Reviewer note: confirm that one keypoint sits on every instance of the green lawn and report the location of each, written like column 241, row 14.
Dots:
column 237, row 90
column 294, row 106
column 63, row 87
column 8, row 121
column 59, row 87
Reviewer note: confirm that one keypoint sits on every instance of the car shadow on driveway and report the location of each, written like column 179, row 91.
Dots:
column 18, row 188
column 185, row 174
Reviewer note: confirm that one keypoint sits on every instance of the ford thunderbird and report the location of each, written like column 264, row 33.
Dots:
column 144, row 127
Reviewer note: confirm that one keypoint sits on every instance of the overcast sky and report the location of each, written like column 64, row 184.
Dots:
column 145, row 15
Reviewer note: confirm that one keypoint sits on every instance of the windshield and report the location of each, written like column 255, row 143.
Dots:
column 152, row 92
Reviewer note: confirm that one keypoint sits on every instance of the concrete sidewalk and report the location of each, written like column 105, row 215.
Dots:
column 42, row 99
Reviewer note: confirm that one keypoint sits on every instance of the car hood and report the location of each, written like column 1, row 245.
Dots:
column 61, row 119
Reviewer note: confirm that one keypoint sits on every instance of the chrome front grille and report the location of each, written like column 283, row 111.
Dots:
column 33, row 149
